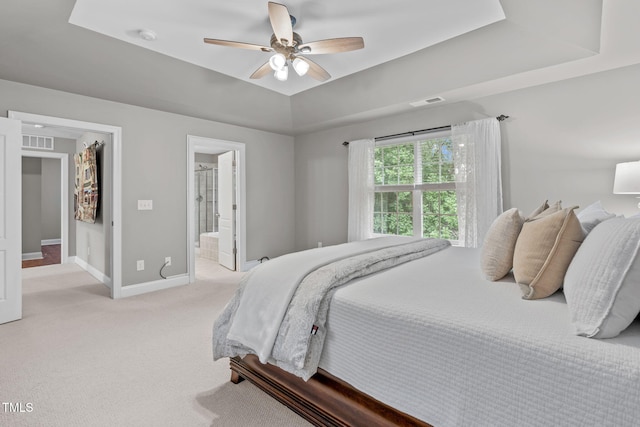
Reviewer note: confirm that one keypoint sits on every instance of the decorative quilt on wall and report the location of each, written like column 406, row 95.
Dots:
column 86, row 194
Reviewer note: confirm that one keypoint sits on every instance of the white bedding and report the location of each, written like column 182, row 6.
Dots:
column 290, row 296
column 266, row 296
column 437, row 341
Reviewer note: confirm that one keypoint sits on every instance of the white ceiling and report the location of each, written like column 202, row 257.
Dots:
column 390, row 29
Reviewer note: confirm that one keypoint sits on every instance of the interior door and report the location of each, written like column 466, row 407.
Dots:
column 227, row 211
column 10, row 221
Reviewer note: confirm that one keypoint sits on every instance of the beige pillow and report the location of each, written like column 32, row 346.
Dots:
column 544, row 250
column 553, row 208
column 539, row 209
column 496, row 256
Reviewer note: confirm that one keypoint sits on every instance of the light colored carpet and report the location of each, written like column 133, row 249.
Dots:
column 82, row 359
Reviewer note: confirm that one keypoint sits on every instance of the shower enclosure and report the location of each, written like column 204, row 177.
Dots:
column 206, row 201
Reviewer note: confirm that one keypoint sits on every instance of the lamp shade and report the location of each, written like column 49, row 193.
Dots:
column 627, row 178
column 300, row 66
column 277, row 62
column 283, row 73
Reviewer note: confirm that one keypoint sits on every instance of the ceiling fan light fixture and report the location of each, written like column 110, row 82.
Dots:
column 285, row 45
column 300, row 66
column 282, row 74
column 278, row 62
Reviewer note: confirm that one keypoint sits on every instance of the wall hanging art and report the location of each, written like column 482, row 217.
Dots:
column 86, row 195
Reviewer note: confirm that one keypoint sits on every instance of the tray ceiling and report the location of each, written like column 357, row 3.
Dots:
column 390, row 30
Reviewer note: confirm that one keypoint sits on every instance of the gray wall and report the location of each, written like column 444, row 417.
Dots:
column 154, row 167
column 205, row 158
column 93, row 240
column 562, row 142
column 51, row 199
column 31, row 205
column 65, row 145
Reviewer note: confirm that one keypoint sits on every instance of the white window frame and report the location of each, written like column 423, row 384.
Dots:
column 418, row 187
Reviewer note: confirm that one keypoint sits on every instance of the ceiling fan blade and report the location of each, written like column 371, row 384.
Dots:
column 344, row 44
column 281, row 23
column 240, row 45
column 262, row 71
column 316, row 71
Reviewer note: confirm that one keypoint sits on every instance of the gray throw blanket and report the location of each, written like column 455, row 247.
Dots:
column 297, row 349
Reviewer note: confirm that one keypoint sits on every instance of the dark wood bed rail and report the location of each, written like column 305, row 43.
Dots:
column 324, row 400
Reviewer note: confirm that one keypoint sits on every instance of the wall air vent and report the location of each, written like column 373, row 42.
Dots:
column 429, row 101
column 37, row 142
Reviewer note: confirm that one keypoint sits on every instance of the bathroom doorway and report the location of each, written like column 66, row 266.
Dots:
column 206, row 195
column 207, row 215
column 216, row 205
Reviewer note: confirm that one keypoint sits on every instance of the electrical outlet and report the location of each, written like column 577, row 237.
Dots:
column 145, row 205
column 140, row 264
column 167, row 260
column 319, row 244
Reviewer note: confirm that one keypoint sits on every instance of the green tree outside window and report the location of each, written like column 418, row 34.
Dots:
column 416, row 180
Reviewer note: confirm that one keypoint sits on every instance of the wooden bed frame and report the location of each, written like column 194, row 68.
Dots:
column 324, row 400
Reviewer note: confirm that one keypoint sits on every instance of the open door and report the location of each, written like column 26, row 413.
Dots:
column 227, row 211
column 10, row 221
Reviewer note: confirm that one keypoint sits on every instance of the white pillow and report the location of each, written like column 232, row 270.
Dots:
column 593, row 215
column 602, row 284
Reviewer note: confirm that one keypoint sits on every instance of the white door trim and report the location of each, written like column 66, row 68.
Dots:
column 116, row 183
column 64, row 195
column 198, row 144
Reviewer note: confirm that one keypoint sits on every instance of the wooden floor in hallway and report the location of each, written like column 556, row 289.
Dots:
column 50, row 255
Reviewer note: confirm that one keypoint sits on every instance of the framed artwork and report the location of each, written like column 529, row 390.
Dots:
column 86, row 194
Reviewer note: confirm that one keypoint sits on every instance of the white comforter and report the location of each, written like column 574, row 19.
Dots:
column 436, row 340
column 276, row 306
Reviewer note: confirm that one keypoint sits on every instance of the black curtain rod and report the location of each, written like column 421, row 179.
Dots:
column 500, row 118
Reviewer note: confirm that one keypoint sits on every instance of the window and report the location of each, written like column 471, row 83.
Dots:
column 415, row 190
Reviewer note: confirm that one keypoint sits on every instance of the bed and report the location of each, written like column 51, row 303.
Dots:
column 431, row 341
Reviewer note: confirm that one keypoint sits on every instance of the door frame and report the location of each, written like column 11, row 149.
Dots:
column 116, row 182
column 199, row 144
column 64, row 196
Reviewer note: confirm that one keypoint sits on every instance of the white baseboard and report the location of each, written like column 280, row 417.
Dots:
column 32, row 255
column 137, row 289
column 156, row 285
column 50, row 242
column 103, row 278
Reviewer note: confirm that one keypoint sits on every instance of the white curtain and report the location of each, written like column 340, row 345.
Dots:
column 361, row 189
column 476, row 147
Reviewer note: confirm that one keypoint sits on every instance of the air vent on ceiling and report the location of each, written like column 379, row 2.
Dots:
column 429, row 101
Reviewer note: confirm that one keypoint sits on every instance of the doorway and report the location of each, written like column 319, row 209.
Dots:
column 219, row 210
column 112, row 247
column 206, row 195
column 45, row 226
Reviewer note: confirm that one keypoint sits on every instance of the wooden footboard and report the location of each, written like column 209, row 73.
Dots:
column 324, row 400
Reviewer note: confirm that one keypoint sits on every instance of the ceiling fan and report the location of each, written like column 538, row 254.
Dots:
column 288, row 48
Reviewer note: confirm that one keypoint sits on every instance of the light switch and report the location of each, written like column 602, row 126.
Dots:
column 145, row 205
